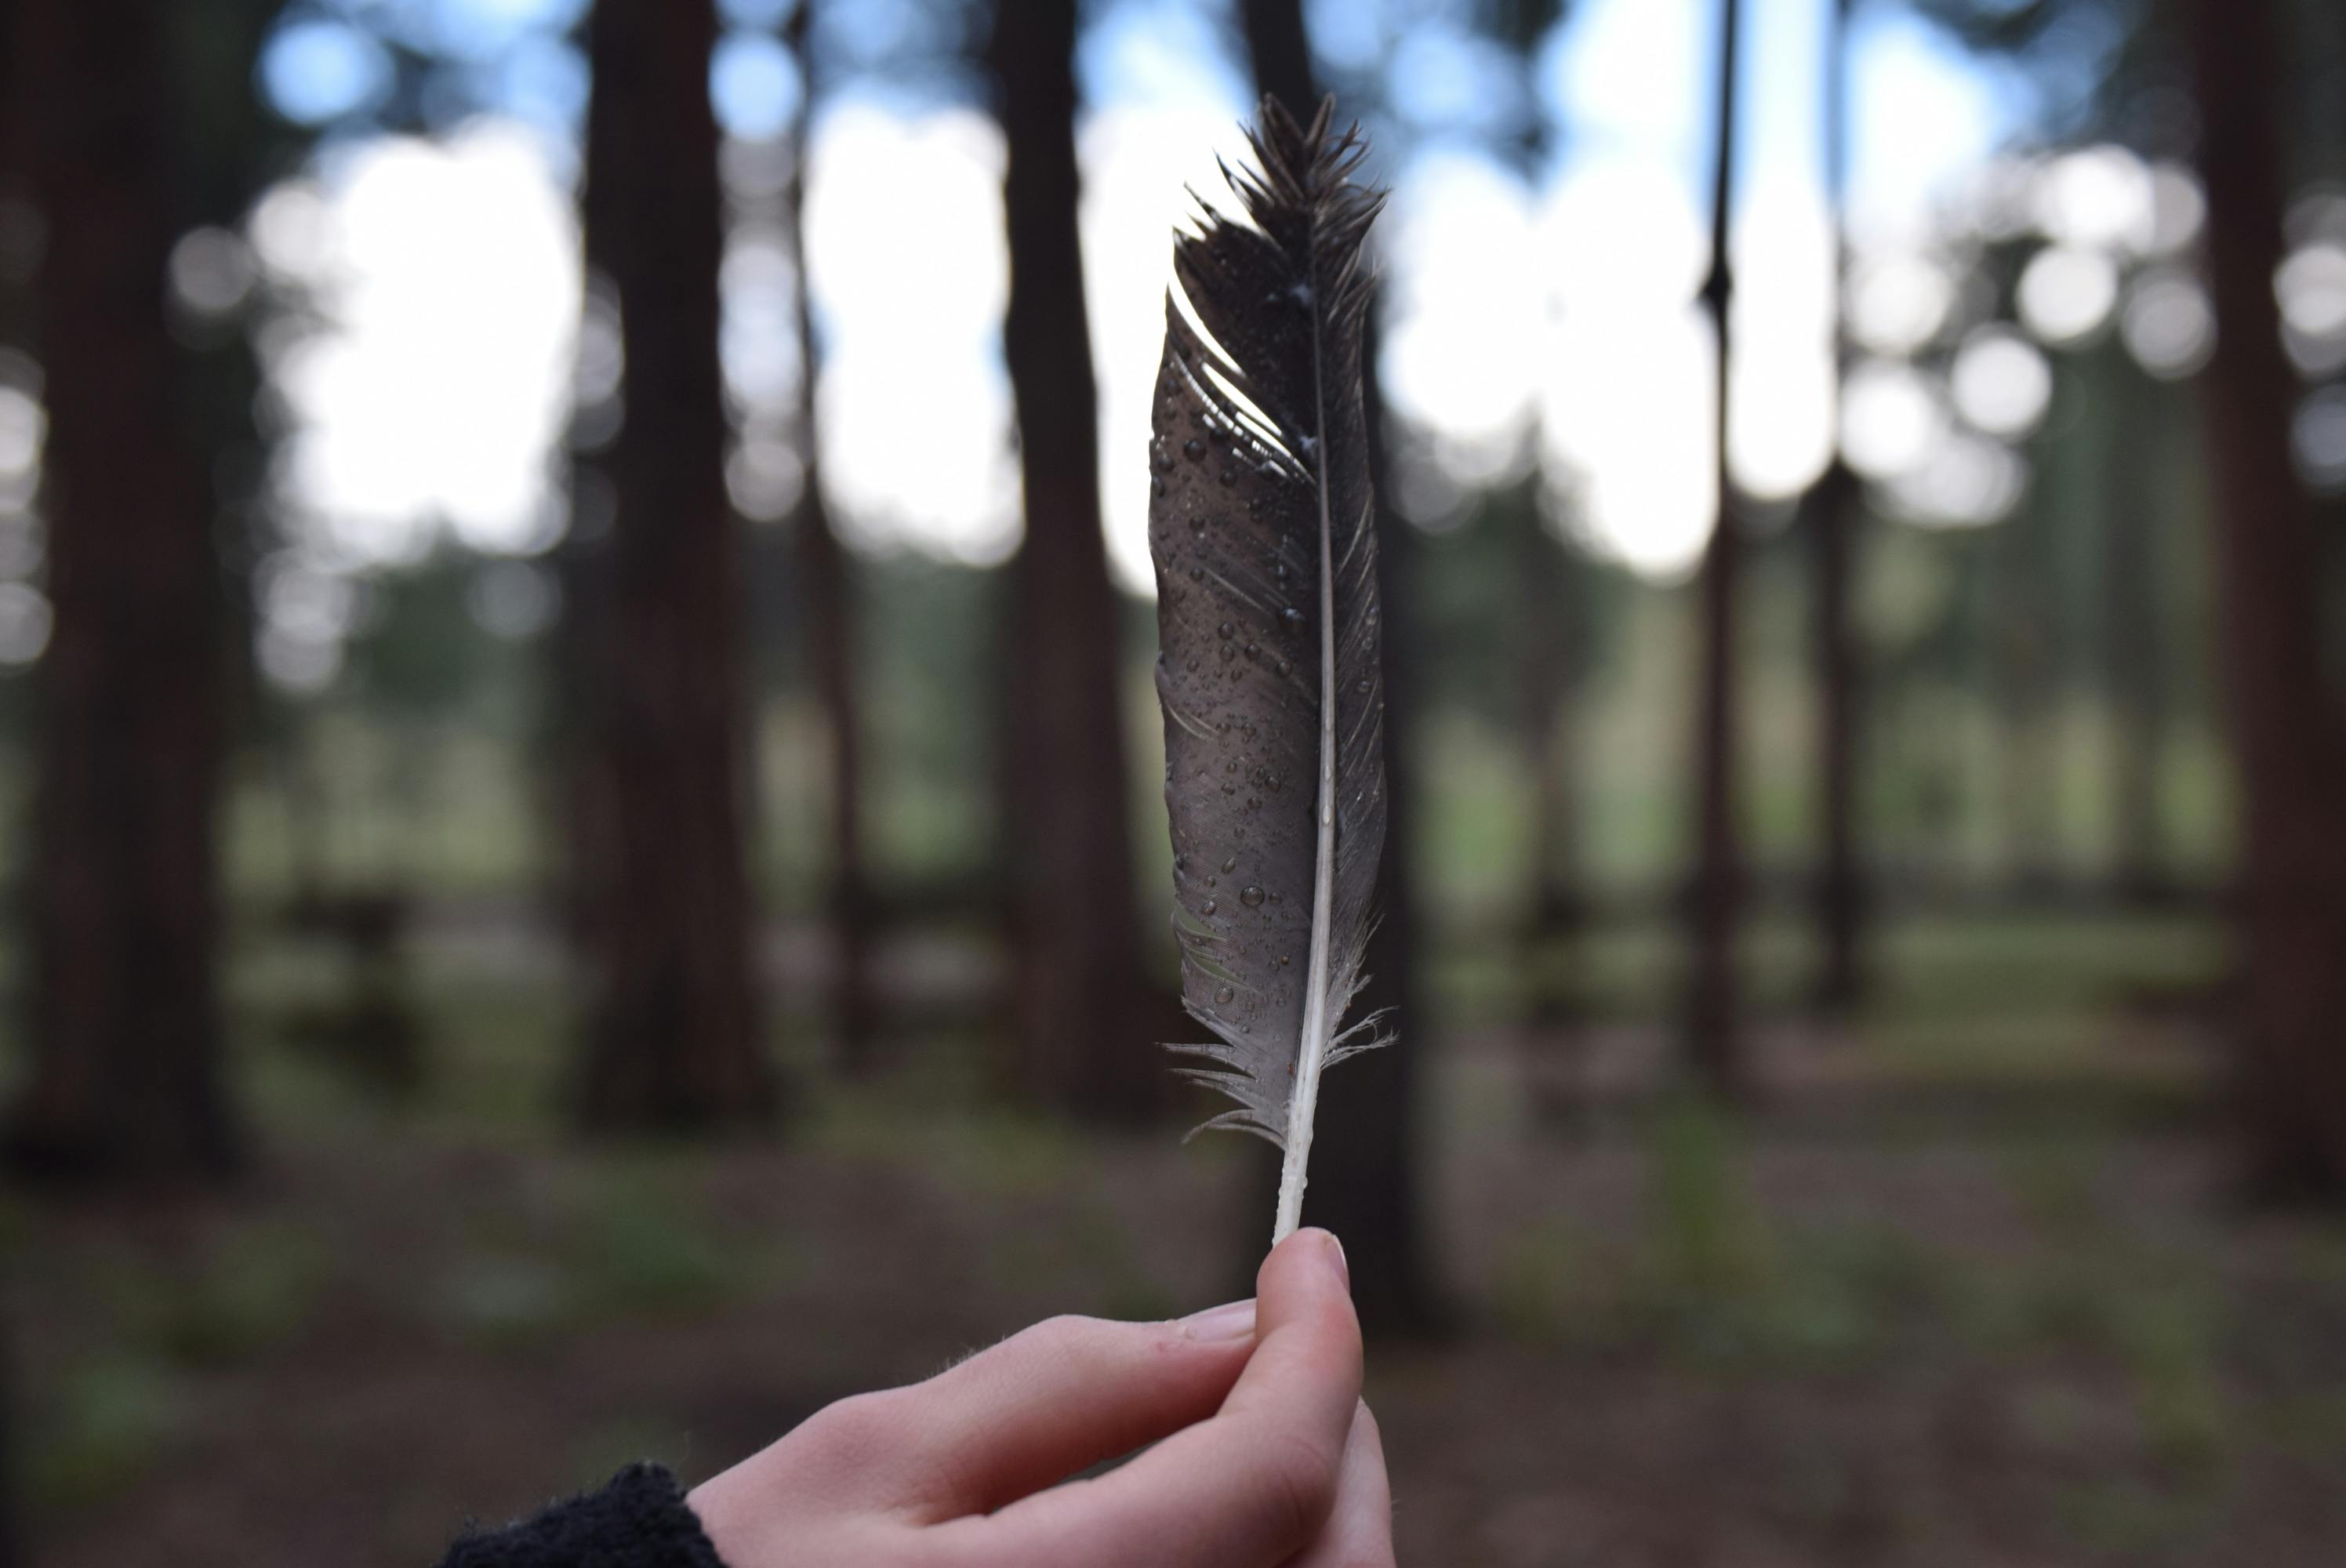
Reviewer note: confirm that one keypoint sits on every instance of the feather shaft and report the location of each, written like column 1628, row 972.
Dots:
column 1311, row 1050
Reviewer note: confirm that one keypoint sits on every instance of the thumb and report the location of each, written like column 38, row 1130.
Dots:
column 1306, row 1336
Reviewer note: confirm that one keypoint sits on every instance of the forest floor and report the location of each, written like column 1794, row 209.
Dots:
column 1964, row 1288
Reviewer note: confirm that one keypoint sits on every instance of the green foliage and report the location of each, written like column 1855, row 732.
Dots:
column 248, row 1292
column 1710, row 1242
column 108, row 1419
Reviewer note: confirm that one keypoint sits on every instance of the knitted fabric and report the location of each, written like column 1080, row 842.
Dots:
column 638, row 1520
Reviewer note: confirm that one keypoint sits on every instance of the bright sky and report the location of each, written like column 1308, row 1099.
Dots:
column 1548, row 316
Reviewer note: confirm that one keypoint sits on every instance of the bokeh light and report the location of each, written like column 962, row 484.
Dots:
column 2066, row 294
column 2001, row 382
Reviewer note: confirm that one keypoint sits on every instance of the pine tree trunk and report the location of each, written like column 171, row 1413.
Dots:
column 1836, row 509
column 2138, row 679
column 2025, row 676
column 675, row 1040
column 1077, row 981
column 2288, row 737
column 1551, row 646
column 1364, row 1174
column 1837, row 506
column 1717, row 894
column 1365, row 1182
column 830, row 599
column 1282, row 51
column 126, row 1030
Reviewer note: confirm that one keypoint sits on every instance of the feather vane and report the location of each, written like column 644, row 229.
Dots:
column 1262, row 532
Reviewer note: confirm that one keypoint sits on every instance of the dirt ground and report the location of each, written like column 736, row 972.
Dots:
column 1889, row 1325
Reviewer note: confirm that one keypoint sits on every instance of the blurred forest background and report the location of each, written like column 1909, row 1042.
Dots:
column 584, row 869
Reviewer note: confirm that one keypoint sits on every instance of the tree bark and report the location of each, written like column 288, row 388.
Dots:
column 125, row 1032
column 2026, row 677
column 1282, row 51
column 2288, row 737
column 1365, row 1182
column 830, row 598
column 1836, row 509
column 1552, row 644
column 1717, row 893
column 1076, row 985
column 2133, row 527
column 1364, row 1161
column 674, row 1040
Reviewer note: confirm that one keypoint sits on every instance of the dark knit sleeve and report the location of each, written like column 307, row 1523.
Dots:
column 638, row 1520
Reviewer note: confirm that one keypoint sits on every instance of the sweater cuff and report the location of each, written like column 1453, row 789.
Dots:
column 639, row 1520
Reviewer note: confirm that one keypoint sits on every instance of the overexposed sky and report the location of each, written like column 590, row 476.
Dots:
column 1534, row 314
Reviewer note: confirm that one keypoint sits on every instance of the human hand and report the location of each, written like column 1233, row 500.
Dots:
column 1264, row 1455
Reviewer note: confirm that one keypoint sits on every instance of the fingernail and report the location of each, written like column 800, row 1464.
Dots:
column 1231, row 1320
column 1336, row 1257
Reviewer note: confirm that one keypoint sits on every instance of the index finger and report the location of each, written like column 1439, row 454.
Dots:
column 1248, row 1487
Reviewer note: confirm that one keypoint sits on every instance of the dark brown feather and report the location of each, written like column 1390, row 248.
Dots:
column 1260, row 474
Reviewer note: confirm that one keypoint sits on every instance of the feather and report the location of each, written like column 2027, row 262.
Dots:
column 1262, row 530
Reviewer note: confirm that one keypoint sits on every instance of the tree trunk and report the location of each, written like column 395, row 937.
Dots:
column 1282, row 51
column 1835, row 507
column 1364, row 1176
column 1552, row 645
column 2025, row 680
column 2136, row 664
column 2289, row 739
column 126, row 1030
column 830, row 599
column 675, row 1040
column 1364, row 1162
column 1077, row 982
column 1717, row 894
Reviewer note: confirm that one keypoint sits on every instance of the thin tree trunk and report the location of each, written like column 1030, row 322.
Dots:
column 1717, row 894
column 830, row 599
column 2025, row 677
column 1364, row 1161
column 126, row 1030
column 2289, row 739
column 580, row 764
column 2138, row 679
column 1551, row 647
column 1282, row 51
column 1835, row 504
column 1365, row 1180
column 1079, row 964
column 675, row 1039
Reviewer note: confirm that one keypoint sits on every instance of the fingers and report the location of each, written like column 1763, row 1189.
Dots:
column 1248, row 1488
column 1359, row 1531
column 1308, row 1341
column 1061, row 1395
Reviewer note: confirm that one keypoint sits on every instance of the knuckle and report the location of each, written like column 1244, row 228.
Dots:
column 1066, row 1330
column 1068, row 1339
column 858, row 1426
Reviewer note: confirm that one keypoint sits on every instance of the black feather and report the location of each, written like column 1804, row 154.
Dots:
column 1262, row 530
